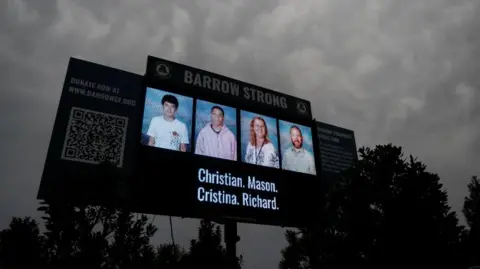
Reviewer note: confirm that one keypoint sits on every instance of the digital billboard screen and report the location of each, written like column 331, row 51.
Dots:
column 215, row 147
column 184, row 142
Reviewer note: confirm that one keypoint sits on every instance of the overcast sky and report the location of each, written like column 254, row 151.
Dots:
column 405, row 72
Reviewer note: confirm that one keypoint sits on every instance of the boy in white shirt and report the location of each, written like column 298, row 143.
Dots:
column 166, row 131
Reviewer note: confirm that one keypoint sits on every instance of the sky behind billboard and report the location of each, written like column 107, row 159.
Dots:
column 404, row 72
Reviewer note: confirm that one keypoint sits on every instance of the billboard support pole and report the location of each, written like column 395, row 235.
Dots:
column 231, row 239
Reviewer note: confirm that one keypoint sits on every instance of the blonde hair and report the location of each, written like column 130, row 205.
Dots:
column 253, row 137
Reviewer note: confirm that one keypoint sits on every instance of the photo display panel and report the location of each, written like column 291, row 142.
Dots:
column 215, row 130
column 259, row 140
column 214, row 147
column 167, row 120
column 297, row 148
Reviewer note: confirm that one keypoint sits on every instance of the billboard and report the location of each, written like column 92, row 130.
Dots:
column 215, row 147
column 96, row 121
column 337, row 150
column 183, row 142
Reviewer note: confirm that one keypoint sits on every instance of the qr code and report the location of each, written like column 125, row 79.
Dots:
column 94, row 137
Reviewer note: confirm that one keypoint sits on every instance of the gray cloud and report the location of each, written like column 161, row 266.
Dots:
column 404, row 72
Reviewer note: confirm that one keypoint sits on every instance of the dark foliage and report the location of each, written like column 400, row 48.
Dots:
column 207, row 250
column 471, row 205
column 21, row 245
column 104, row 238
column 471, row 210
column 387, row 212
column 170, row 256
column 96, row 237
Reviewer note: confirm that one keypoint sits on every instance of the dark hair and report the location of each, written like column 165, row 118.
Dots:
column 171, row 99
column 219, row 108
column 296, row 127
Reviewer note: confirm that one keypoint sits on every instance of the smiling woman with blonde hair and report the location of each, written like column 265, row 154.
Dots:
column 260, row 149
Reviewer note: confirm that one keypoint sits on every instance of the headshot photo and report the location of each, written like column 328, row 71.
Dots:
column 167, row 120
column 215, row 130
column 259, row 140
column 297, row 148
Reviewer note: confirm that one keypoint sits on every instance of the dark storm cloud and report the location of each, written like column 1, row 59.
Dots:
column 393, row 71
column 446, row 129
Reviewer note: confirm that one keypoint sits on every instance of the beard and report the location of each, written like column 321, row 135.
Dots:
column 297, row 144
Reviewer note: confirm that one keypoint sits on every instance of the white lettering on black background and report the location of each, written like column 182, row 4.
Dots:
column 211, row 190
column 231, row 88
column 99, row 91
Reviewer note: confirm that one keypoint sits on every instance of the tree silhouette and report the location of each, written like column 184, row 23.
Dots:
column 293, row 256
column 169, row 256
column 102, row 237
column 472, row 201
column 207, row 250
column 386, row 212
column 21, row 245
column 471, row 211
column 131, row 247
column 96, row 237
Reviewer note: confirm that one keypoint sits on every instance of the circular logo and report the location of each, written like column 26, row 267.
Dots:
column 302, row 107
column 163, row 70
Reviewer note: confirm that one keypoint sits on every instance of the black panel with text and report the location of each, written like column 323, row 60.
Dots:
column 230, row 163
column 96, row 122
column 337, row 148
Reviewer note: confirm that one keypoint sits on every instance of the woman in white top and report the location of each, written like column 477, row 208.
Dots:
column 260, row 150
